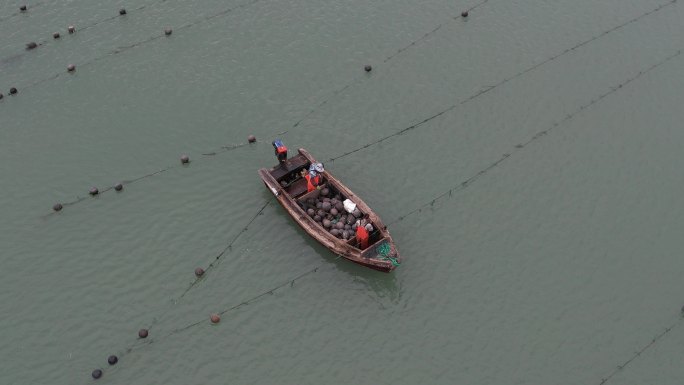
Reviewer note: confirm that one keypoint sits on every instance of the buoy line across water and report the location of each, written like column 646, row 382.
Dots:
column 463, row 185
column 464, row 101
column 167, row 32
column 639, row 352
column 520, row 146
column 224, row 12
column 22, row 10
column 251, row 138
column 504, row 157
column 368, row 68
column 184, row 161
column 200, row 273
column 143, row 333
column 501, row 83
column 214, row 318
column 464, row 14
column 84, row 27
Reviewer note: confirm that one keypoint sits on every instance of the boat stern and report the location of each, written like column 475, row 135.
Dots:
column 382, row 255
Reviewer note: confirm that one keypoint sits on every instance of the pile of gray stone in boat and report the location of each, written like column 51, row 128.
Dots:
column 332, row 215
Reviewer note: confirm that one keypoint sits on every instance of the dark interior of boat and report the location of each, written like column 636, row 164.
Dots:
column 288, row 175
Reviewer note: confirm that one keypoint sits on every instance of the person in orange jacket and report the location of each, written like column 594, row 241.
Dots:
column 363, row 230
column 313, row 179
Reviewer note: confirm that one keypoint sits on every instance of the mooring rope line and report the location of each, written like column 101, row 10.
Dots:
column 315, row 269
column 207, row 18
column 425, row 36
column 217, row 259
column 201, row 277
column 428, row 34
column 149, row 39
column 293, row 280
column 406, row 129
column 124, row 48
column 540, row 134
column 17, row 13
column 502, row 82
column 213, row 264
column 487, row 89
column 518, row 147
column 447, row 193
column 110, row 18
column 387, row 59
column 126, row 182
column 639, row 352
column 229, row 147
column 80, row 29
column 289, row 282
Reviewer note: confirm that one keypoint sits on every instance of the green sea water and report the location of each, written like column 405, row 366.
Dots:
column 527, row 159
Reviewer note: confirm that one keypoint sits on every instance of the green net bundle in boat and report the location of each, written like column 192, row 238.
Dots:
column 384, row 250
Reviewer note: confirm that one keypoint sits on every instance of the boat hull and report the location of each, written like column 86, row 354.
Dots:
column 377, row 256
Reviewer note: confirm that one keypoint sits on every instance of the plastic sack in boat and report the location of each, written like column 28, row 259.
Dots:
column 349, row 206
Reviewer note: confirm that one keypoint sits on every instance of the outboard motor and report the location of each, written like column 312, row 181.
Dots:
column 280, row 151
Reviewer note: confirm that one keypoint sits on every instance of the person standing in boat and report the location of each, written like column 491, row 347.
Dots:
column 363, row 230
column 313, row 177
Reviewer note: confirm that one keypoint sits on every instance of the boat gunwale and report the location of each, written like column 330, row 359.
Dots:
column 338, row 246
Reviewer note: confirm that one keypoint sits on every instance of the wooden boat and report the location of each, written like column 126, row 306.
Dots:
column 290, row 188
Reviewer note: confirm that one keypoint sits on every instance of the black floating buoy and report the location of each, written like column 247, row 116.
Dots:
column 168, row 31
column 142, row 333
column 22, row 8
column 71, row 29
column 13, row 91
column 1, row 96
column 251, row 138
column 97, row 373
column 55, row 35
column 31, row 45
column 71, row 68
column 199, row 271
column 464, row 14
column 118, row 186
column 122, row 11
column 57, row 207
column 93, row 191
column 184, row 159
column 368, row 68
column 112, row 359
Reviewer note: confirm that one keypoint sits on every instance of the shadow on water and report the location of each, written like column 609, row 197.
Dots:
column 14, row 60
